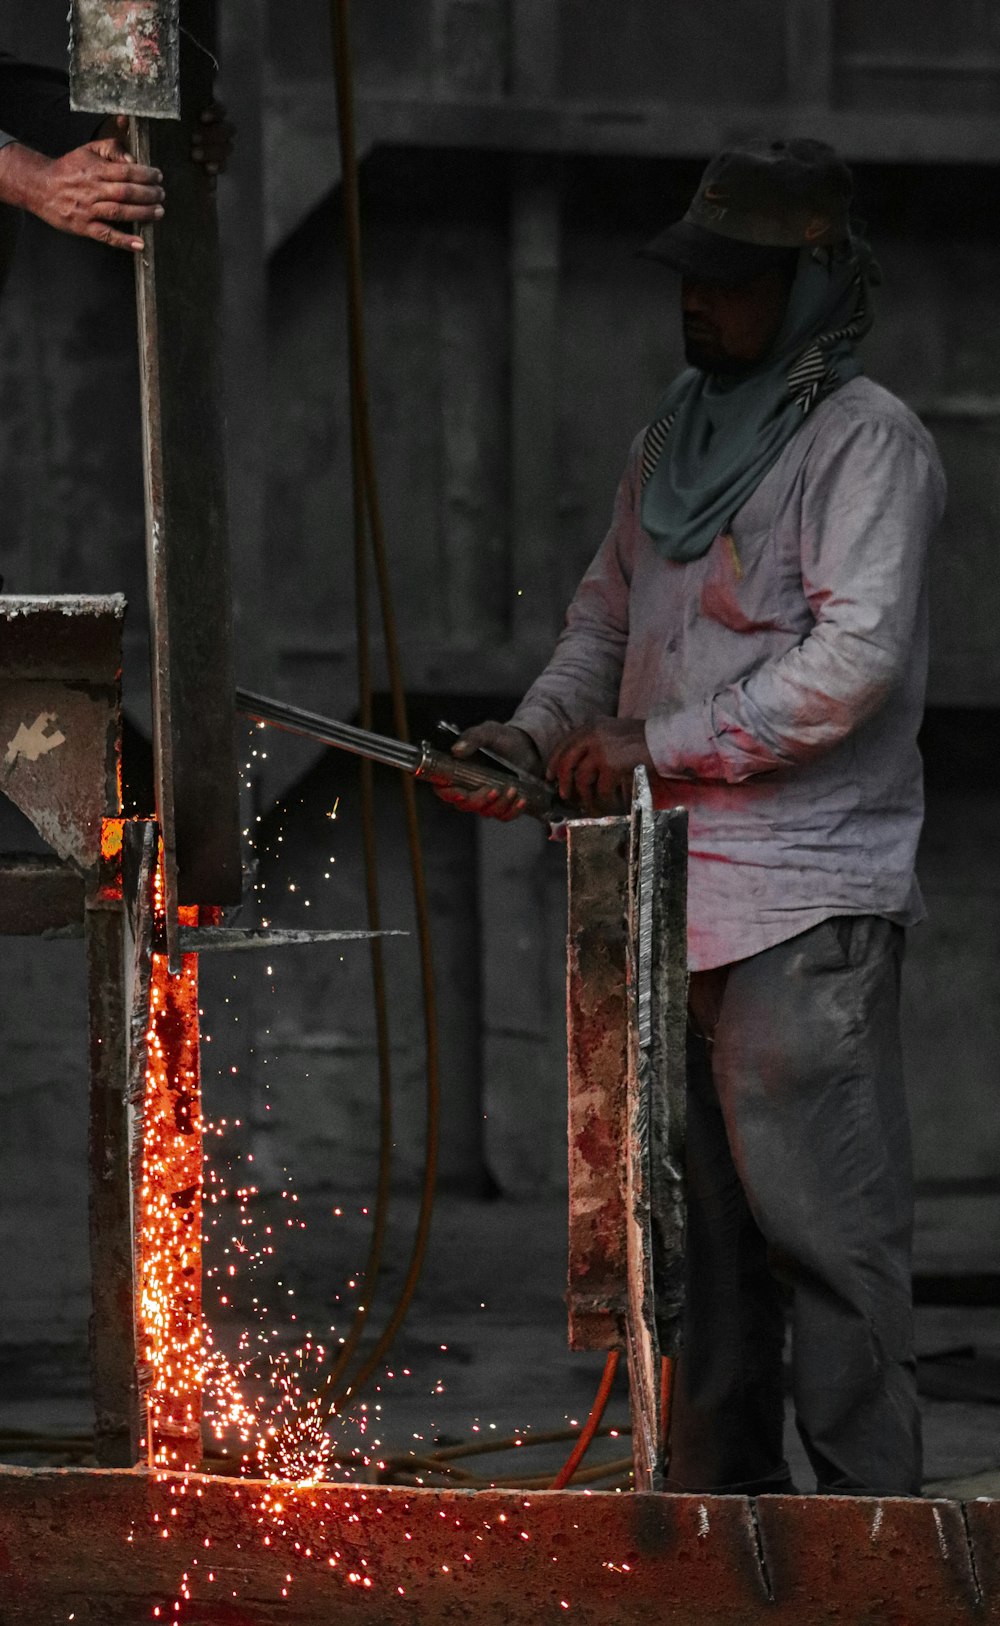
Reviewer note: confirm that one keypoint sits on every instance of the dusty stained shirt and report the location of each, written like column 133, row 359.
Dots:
column 781, row 677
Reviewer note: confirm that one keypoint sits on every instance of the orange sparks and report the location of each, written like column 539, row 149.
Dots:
column 169, row 1222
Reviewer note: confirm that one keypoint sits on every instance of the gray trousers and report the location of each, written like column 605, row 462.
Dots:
column 800, row 1194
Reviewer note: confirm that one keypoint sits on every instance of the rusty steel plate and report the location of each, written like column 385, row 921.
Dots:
column 125, row 57
column 106, row 1548
column 597, row 1034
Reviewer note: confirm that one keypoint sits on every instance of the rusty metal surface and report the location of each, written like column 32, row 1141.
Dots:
column 125, row 57
column 597, row 1017
column 655, row 1115
column 108, row 1548
column 39, row 896
column 60, row 671
column 882, row 1563
column 190, row 590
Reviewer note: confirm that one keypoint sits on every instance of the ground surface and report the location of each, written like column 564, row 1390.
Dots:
column 483, row 1352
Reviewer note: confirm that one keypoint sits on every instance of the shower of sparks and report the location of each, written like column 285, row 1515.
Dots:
column 260, row 1404
column 267, row 1398
column 263, row 1406
column 170, row 1318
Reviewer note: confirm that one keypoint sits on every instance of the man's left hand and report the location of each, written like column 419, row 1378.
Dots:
column 595, row 764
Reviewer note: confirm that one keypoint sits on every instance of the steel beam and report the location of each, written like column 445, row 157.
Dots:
column 91, row 1546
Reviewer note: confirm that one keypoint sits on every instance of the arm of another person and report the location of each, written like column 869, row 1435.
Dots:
column 75, row 173
column 870, row 502
column 582, row 679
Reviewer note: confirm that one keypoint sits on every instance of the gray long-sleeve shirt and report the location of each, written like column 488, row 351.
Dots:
column 781, row 677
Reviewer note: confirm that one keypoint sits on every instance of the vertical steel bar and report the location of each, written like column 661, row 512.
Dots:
column 657, row 1090
column 179, row 298
column 643, row 1346
column 668, row 1058
column 112, row 1335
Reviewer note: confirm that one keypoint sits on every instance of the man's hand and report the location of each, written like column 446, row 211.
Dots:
column 506, row 741
column 594, row 765
column 90, row 192
column 211, row 142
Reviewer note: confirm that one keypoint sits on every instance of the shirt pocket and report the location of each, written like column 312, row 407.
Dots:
column 747, row 587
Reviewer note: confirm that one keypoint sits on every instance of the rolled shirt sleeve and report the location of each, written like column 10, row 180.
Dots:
column 583, row 678
column 870, row 500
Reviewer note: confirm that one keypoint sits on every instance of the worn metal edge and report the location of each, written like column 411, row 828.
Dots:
column 89, row 1543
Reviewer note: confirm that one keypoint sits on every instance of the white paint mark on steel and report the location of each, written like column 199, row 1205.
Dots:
column 942, row 1539
column 877, row 1521
column 703, row 1525
column 36, row 741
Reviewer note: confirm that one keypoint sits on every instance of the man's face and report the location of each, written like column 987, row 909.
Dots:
column 728, row 330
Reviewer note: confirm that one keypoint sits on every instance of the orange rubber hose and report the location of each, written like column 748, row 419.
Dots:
column 591, row 1426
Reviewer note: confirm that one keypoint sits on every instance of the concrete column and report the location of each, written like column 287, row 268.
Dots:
column 535, row 255
column 809, row 51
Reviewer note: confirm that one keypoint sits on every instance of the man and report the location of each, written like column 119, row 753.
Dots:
column 753, row 630
column 74, row 174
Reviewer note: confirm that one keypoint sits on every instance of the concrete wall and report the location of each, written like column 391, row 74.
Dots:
column 517, row 345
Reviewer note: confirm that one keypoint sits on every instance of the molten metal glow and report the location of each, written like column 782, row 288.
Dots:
column 283, row 1427
column 169, row 1228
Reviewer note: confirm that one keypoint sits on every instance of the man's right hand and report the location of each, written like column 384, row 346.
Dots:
column 507, row 741
column 90, row 192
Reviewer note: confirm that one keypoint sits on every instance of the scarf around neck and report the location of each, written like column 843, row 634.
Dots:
column 713, row 439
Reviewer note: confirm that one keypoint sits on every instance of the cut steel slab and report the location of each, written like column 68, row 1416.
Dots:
column 125, row 57
column 627, row 1015
column 106, row 1549
column 597, row 1017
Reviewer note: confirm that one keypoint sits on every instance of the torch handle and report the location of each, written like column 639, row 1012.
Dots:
column 441, row 768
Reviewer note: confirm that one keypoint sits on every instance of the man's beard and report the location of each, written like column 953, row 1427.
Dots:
column 709, row 357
